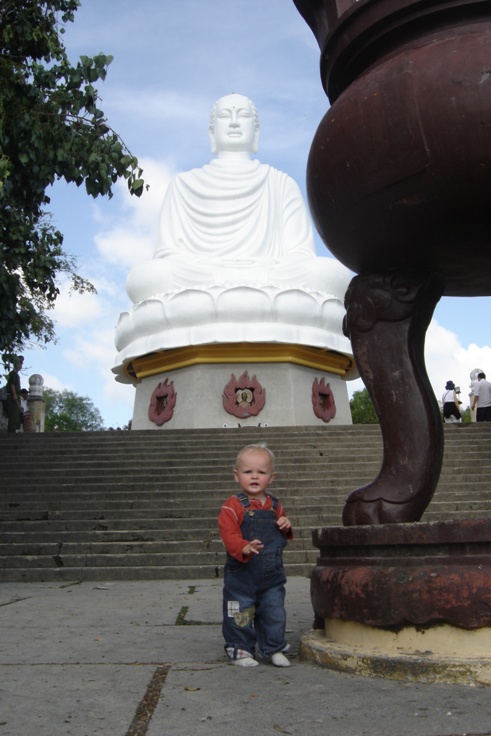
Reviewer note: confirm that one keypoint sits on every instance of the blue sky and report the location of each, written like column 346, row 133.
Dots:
column 172, row 60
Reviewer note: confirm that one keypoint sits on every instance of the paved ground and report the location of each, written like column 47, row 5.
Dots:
column 146, row 658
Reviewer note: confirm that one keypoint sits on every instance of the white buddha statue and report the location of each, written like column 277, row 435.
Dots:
column 234, row 221
column 235, row 249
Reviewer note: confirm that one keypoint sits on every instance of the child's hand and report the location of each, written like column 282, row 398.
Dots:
column 252, row 548
column 284, row 524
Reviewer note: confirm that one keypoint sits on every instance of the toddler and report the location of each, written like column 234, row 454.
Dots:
column 254, row 530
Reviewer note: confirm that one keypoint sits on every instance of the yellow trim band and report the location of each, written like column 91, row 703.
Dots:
column 170, row 360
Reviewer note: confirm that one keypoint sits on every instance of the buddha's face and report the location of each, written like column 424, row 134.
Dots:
column 234, row 126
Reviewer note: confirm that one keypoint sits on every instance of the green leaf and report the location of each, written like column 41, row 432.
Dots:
column 51, row 127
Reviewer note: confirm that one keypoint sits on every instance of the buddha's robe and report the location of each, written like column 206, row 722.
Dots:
column 231, row 222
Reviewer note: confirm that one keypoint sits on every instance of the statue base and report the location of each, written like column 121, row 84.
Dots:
column 241, row 384
column 405, row 601
column 443, row 654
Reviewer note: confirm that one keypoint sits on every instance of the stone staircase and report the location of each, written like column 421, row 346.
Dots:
column 143, row 505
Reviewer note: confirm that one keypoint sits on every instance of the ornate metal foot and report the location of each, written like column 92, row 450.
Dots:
column 387, row 318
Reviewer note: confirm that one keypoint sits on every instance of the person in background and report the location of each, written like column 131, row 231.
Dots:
column 24, row 395
column 482, row 399
column 450, row 404
column 13, row 395
column 26, row 414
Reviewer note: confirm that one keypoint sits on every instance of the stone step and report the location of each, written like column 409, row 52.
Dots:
column 320, row 476
column 80, row 447
column 121, row 499
column 157, row 500
column 216, row 467
column 299, row 486
column 135, row 559
column 106, row 509
column 134, row 487
column 153, row 472
column 243, row 435
column 16, row 508
column 213, row 438
column 455, row 481
column 463, row 512
column 172, row 546
column 214, row 444
column 127, row 536
column 146, row 572
column 150, row 522
column 186, row 528
column 166, row 509
column 99, row 496
column 221, row 449
column 144, row 505
column 94, row 471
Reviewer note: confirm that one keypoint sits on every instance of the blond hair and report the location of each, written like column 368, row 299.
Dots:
column 258, row 446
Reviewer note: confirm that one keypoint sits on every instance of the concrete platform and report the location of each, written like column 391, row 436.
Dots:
column 135, row 658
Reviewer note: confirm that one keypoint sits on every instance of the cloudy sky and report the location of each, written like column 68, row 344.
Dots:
column 172, row 60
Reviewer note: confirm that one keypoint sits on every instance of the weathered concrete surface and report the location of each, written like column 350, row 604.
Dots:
column 431, row 656
column 134, row 658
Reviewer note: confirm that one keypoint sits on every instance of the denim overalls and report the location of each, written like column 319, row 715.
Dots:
column 254, row 591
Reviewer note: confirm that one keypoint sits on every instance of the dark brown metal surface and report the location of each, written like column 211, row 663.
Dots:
column 386, row 321
column 399, row 175
column 405, row 574
column 399, row 186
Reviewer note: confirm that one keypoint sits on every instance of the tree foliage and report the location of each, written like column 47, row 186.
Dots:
column 66, row 411
column 362, row 408
column 51, row 128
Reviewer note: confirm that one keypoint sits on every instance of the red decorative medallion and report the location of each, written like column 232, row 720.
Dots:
column 162, row 403
column 244, row 397
column 323, row 400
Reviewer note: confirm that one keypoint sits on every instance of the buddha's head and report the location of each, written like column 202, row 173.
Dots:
column 234, row 125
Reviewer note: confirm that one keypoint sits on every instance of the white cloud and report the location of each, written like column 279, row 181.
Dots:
column 96, row 355
column 122, row 247
column 119, row 393
column 356, row 385
column 54, row 383
column 170, row 105
column 132, row 239
column 447, row 359
column 73, row 309
column 96, row 350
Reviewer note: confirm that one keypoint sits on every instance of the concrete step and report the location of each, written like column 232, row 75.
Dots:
column 459, row 513
column 158, row 507
column 135, row 559
column 167, row 510
column 144, row 505
column 28, row 539
column 111, row 495
column 174, row 548
column 146, row 572
column 151, row 523
column 95, row 473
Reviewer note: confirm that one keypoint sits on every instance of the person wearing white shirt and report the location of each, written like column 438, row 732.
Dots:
column 482, row 399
